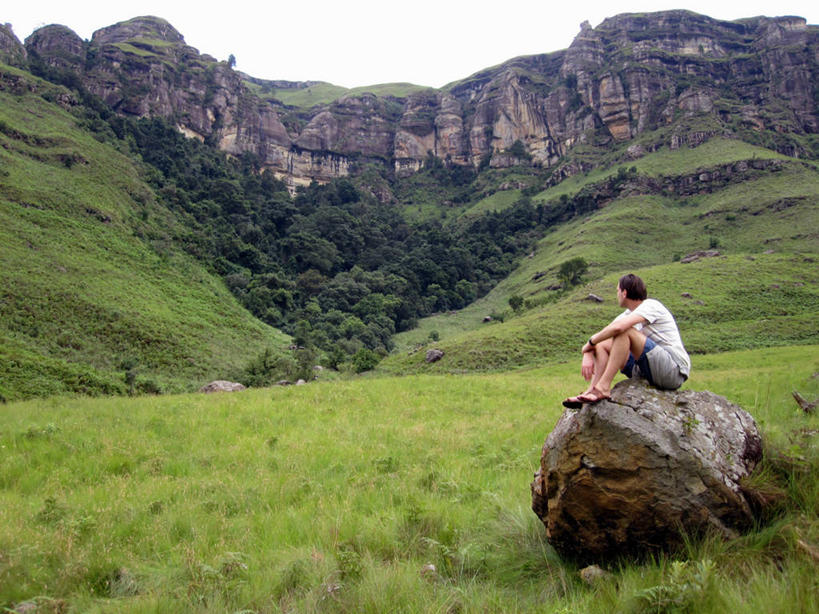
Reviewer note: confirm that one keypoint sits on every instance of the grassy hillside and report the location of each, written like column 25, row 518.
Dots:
column 773, row 210
column 91, row 284
column 663, row 162
column 97, row 289
column 336, row 497
column 735, row 303
column 325, row 93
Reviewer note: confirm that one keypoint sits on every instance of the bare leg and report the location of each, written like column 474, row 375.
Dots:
column 601, row 360
column 610, row 356
column 594, row 363
column 631, row 342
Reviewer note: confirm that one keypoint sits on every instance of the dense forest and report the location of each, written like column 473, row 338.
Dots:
column 332, row 265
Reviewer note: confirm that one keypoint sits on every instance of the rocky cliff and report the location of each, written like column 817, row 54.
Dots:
column 632, row 74
column 11, row 50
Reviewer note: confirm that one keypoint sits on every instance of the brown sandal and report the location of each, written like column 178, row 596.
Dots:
column 594, row 396
column 573, row 402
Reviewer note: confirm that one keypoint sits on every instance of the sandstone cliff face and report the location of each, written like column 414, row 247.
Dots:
column 631, row 74
column 680, row 62
column 432, row 123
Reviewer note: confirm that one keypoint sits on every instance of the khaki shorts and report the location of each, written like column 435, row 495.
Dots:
column 657, row 366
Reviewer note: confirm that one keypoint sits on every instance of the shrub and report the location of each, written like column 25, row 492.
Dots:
column 365, row 360
column 571, row 271
column 268, row 368
column 335, row 357
column 516, row 302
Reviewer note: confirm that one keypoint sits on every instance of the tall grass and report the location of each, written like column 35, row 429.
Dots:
column 379, row 494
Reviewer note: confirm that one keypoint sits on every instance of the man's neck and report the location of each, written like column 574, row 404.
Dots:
column 631, row 304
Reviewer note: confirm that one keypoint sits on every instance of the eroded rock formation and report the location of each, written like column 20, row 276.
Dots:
column 11, row 50
column 631, row 74
column 626, row 476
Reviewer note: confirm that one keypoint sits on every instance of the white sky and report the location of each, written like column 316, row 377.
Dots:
column 365, row 42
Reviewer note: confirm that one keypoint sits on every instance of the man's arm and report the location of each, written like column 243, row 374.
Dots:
column 616, row 327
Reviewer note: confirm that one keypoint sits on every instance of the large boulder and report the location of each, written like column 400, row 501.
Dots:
column 633, row 474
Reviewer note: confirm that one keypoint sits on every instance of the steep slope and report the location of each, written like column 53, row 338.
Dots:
column 93, row 285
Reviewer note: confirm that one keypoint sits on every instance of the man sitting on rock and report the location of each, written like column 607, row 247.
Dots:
column 643, row 341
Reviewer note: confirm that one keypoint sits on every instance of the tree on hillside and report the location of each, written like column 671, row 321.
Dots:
column 571, row 271
column 516, row 302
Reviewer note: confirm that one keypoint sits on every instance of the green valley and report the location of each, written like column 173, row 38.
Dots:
column 166, row 221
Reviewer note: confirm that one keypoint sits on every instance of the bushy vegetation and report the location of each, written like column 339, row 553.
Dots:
column 332, row 266
column 385, row 494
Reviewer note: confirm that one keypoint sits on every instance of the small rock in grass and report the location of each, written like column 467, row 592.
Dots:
column 221, row 386
column 434, row 355
column 429, row 571
column 593, row 574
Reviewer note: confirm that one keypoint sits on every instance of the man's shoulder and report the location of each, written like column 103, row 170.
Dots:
column 651, row 305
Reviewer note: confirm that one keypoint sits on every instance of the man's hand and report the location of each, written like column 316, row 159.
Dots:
column 587, row 365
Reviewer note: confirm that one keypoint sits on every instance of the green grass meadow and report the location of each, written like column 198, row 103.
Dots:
column 336, row 497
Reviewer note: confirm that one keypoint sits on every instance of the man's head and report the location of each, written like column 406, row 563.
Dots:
column 633, row 286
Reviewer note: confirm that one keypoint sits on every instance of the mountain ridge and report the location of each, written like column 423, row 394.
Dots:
column 629, row 75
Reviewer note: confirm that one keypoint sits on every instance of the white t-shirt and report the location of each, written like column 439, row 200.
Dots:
column 662, row 329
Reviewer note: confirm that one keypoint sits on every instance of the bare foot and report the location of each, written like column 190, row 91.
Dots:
column 594, row 395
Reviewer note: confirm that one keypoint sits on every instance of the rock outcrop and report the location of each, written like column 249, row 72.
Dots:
column 57, row 47
column 633, row 73
column 221, row 385
column 11, row 49
column 434, row 355
column 629, row 475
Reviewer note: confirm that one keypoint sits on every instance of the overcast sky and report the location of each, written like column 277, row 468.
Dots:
column 364, row 42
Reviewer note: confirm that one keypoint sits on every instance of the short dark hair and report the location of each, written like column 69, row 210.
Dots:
column 634, row 286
